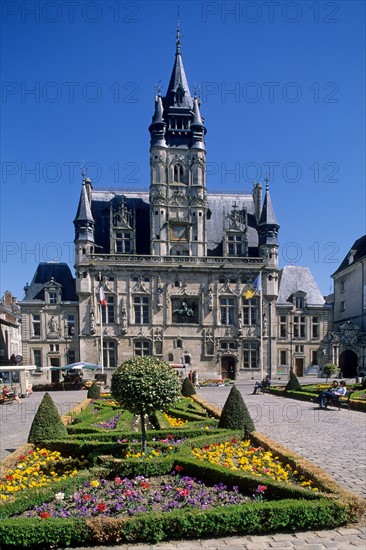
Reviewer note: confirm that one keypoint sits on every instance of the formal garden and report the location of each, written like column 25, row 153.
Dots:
column 152, row 461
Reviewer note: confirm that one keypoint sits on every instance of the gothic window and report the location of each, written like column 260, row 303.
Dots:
column 123, row 242
column 315, row 327
column 179, row 343
column 227, row 311
column 158, row 348
column 156, row 173
column 195, row 174
column 109, row 354
column 170, row 357
column 234, row 245
column 250, row 356
column 37, row 359
column 108, row 311
column 283, row 357
column 209, row 348
column 299, row 326
column 36, row 325
column 229, row 346
column 70, row 356
column 141, row 309
column 250, row 311
column 70, row 323
column 283, row 326
column 142, row 347
column 178, row 173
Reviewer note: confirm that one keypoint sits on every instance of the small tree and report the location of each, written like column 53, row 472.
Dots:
column 235, row 415
column 93, row 391
column 143, row 385
column 330, row 370
column 188, row 388
column 46, row 423
column 293, row 383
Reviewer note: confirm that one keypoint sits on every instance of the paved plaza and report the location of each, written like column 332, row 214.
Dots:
column 334, row 440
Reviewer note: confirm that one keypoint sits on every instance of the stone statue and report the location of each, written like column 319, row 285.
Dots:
column 53, row 324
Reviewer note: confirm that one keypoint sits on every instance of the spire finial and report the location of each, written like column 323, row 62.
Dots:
column 84, row 172
column 266, row 180
column 178, row 34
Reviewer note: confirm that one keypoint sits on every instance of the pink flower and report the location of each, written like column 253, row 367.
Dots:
column 261, row 489
column 118, row 481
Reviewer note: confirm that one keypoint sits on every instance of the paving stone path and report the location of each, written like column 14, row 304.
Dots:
column 335, row 441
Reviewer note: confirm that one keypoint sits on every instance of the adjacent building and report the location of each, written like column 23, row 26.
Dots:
column 10, row 330
column 349, row 333
column 50, row 319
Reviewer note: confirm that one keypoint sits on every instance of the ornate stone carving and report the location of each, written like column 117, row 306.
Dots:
column 123, row 316
column 349, row 334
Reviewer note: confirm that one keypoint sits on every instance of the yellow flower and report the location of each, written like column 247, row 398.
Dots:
column 94, row 483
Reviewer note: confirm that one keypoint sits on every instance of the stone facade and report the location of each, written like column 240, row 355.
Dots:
column 349, row 332
column 174, row 263
column 50, row 320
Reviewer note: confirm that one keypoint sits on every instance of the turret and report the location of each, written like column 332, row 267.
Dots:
column 268, row 231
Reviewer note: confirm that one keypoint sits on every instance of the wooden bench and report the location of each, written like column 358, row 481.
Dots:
column 7, row 398
column 342, row 402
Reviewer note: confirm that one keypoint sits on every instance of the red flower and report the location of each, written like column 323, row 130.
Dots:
column 179, row 468
column 206, row 447
column 86, row 497
column 101, row 507
column 9, row 477
column 183, row 492
column 30, row 452
column 45, row 515
column 145, row 485
column 169, row 436
column 234, row 441
column 22, row 457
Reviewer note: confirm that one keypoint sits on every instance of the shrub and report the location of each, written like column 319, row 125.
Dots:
column 47, row 422
column 330, row 370
column 143, row 385
column 94, row 391
column 188, row 388
column 293, row 383
column 235, row 415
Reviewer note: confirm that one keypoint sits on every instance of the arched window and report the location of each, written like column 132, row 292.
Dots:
column 178, row 173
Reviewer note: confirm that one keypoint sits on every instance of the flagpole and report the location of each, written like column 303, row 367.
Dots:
column 101, row 338
column 261, row 323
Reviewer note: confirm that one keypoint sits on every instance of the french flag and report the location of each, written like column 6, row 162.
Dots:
column 102, row 300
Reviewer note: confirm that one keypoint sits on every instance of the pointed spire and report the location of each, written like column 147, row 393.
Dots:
column 268, row 216
column 84, row 221
column 178, row 93
column 197, row 119
column 158, row 114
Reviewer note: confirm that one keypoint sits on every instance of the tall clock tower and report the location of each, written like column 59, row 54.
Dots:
column 178, row 201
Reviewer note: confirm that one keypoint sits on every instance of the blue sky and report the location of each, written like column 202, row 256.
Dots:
column 282, row 87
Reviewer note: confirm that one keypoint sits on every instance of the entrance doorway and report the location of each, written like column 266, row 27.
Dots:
column 55, row 374
column 299, row 366
column 228, row 368
column 348, row 364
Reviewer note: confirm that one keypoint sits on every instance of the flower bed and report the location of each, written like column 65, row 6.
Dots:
column 193, row 481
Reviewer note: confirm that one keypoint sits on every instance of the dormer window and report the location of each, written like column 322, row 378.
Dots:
column 299, row 301
column 124, row 242
column 52, row 292
column 52, row 296
column 234, row 245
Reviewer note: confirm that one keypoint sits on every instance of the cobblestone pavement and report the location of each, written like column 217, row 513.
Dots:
column 335, row 441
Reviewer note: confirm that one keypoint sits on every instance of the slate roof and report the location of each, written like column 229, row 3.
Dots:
column 138, row 202
column 84, row 213
column 360, row 252
column 178, row 78
column 61, row 273
column 295, row 279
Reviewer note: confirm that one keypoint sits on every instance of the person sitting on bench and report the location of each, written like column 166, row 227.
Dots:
column 333, row 394
column 10, row 394
column 264, row 385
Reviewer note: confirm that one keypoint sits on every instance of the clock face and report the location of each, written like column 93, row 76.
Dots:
column 179, row 232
